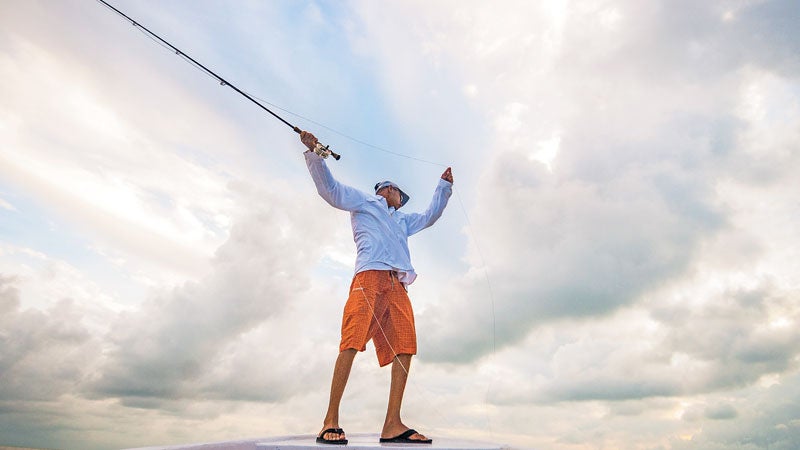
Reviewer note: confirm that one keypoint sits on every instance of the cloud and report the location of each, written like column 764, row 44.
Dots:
column 583, row 243
column 681, row 347
column 166, row 348
column 633, row 190
column 44, row 352
column 91, row 163
column 241, row 335
column 763, row 417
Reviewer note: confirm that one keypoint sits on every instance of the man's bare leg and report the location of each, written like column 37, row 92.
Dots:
column 393, row 426
column 341, row 372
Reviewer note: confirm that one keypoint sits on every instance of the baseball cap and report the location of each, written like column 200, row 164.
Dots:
column 403, row 196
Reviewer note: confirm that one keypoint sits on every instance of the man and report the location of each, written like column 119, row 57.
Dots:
column 377, row 307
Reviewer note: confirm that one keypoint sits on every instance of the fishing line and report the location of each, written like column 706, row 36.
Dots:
column 346, row 136
column 491, row 298
column 394, row 352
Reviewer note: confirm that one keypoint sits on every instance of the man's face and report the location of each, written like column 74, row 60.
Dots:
column 392, row 196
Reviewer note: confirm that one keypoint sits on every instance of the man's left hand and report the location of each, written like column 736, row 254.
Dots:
column 448, row 175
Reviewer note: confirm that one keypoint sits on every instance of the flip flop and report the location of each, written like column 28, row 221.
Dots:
column 405, row 438
column 321, row 438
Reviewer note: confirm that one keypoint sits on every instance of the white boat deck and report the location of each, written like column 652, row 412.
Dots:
column 357, row 441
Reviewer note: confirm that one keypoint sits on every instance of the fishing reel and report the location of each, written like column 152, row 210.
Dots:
column 325, row 151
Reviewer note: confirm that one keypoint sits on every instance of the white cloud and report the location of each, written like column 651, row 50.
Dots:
column 180, row 334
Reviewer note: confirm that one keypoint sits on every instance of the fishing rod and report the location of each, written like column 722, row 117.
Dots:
column 322, row 150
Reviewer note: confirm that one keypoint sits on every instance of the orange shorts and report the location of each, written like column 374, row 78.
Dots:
column 378, row 308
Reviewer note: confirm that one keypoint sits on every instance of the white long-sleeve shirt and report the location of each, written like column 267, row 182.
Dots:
column 380, row 232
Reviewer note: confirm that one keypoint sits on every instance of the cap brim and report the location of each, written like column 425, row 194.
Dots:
column 404, row 198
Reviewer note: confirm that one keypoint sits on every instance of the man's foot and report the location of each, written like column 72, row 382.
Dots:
column 333, row 436
column 409, row 436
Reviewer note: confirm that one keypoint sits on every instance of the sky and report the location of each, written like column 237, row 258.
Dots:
column 619, row 265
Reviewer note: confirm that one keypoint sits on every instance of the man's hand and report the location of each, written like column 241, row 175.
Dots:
column 448, row 175
column 309, row 140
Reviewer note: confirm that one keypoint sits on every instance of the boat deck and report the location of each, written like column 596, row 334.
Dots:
column 357, row 441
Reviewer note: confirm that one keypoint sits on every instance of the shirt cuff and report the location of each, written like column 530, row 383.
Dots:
column 311, row 155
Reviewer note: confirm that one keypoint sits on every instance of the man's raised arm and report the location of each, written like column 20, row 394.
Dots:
column 336, row 194
column 418, row 222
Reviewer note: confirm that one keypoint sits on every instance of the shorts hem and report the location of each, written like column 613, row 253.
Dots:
column 384, row 363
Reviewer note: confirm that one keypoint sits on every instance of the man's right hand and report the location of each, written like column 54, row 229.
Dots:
column 309, row 140
column 448, row 175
